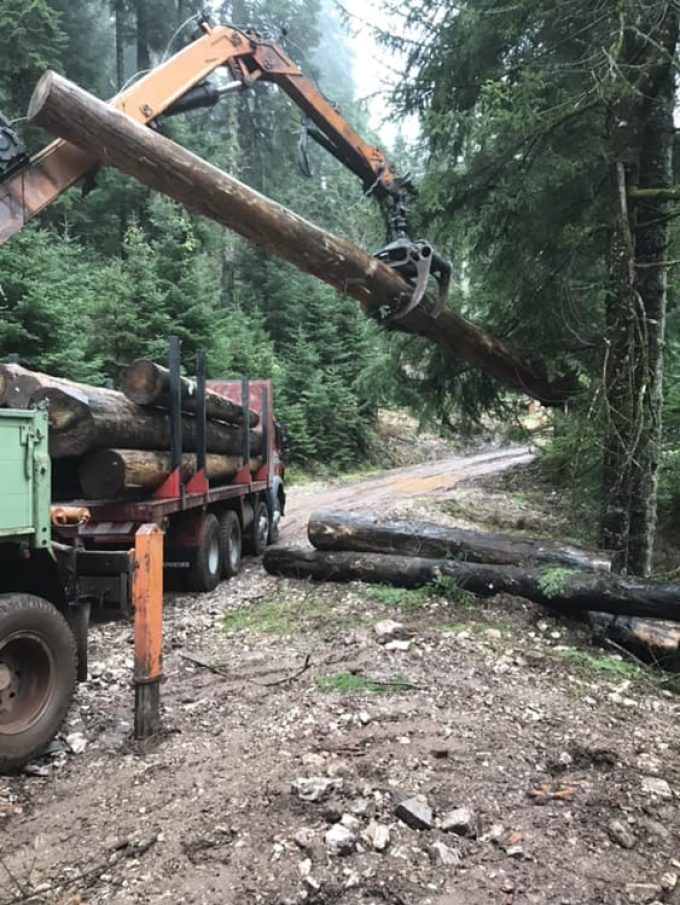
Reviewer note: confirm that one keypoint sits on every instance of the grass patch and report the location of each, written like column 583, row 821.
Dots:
column 455, row 628
column 600, row 663
column 271, row 617
column 411, row 599
column 402, row 598
column 347, row 682
column 288, row 614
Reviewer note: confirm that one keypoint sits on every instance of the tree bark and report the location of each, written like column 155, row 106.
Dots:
column 147, row 383
column 365, row 533
column 83, row 421
column 112, row 473
column 111, row 137
column 571, row 591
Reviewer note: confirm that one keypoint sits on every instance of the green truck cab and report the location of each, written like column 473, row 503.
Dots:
column 43, row 635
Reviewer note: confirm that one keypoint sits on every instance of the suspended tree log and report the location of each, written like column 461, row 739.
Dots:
column 81, row 421
column 571, row 591
column 147, row 383
column 113, row 138
column 351, row 531
column 18, row 384
column 111, row 473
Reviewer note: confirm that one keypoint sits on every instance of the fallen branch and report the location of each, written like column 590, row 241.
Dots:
column 90, row 875
column 305, row 666
column 204, row 665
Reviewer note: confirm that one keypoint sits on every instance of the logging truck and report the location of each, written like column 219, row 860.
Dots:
column 60, row 555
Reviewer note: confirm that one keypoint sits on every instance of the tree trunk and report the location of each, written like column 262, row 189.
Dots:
column 142, row 16
column 111, row 473
column 571, row 591
column 147, row 383
column 83, row 421
column 18, row 384
column 365, row 533
column 113, row 138
column 119, row 7
column 652, row 234
column 642, row 138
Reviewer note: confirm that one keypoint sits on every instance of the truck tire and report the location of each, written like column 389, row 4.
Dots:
column 258, row 533
column 38, row 667
column 205, row 574
column 230, row 534
column 275, row 521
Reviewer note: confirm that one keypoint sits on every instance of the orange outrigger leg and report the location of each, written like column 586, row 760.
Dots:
column 147, row 600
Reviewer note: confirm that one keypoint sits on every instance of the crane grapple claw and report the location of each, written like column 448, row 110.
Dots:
column 416, row 262
column 11, row 147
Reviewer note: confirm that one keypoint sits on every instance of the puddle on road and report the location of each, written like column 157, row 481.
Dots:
column 425, row 485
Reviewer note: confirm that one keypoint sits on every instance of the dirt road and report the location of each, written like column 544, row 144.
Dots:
column 392, row 490
column 281, row 768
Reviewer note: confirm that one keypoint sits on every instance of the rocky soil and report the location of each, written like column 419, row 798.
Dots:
column 329, row 744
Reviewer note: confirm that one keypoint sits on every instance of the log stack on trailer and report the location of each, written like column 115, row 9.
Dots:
column 203, row 462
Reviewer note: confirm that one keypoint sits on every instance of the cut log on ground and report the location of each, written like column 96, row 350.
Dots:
column 81, row 421
column 365, row 533
column 113, row 138
column 110, row 473
column 555, row 586
column 147, row 383
column 657, row 643
column 18, row 384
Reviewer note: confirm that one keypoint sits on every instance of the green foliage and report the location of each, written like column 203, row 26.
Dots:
column 49, row 292
column 348, row 682
column 447, row 587
column 408, row 599
column 31, row 40
column 553, row 579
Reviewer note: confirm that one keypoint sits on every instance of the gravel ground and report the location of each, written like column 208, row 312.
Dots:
column 312, row 753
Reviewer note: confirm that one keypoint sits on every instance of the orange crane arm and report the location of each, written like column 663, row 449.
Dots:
column 32, row 185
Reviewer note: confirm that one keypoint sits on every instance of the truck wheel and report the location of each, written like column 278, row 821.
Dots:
column 259, row 529
column 230, row 532
column 275, row 522
column 204, row 575
column 38, row 665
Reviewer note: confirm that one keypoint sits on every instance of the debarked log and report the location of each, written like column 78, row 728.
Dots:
column 147, row 383
column 366, row 533
column 110, row 473
column 555, row 586
column 81, row 421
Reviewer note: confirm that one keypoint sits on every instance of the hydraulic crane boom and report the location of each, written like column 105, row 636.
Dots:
column 179, row 84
